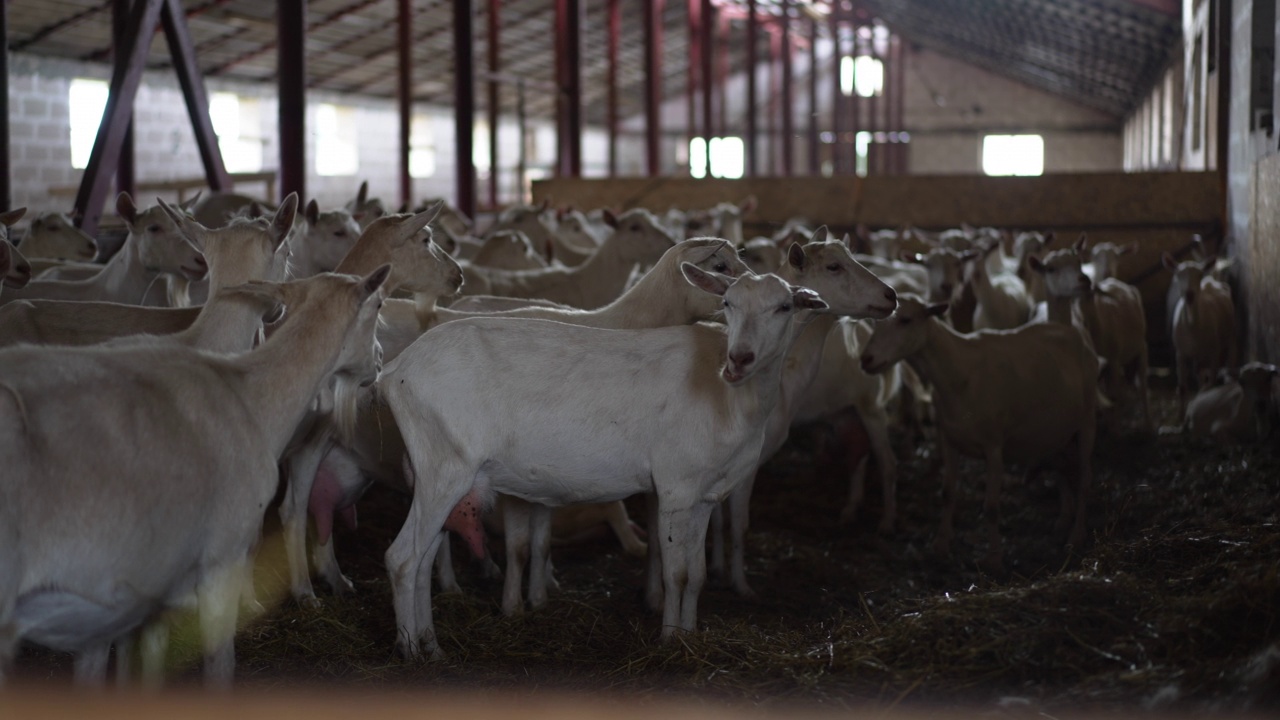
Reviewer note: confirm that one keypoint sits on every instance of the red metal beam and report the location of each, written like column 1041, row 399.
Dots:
column 707, row 72
column 775, row 91
column 182, row 49
column 722, row 72
column 815, row 161
column 788, row 126
column 103, row 53
column 291, row 42
column 752, row 139
column 62, row 24
column 653, row 85
column 614, row 21
column 325, row 21
column 838, row 166
column 900, row 103
column 491, row 105
column 694, row 14
column 6, row 189
column 126, row 76
column 126, row 175
column 855, row 100
column 464, row 107
column 569, row 78
column 404, row 94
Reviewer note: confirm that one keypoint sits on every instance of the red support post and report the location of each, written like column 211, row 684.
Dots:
column 464, row 107
column 291, row 44
column 6, row 186
column 653, row 86
column 815, row 160
column 404, row 94
column 707, row 73
column 855, row 100
column 900, row 103
column 722, row 74
column 182, row 49
column 126, row 173
column 775, row 90
column 126, row 76
column 614, row 10
column 694, row 11
column 838, row 166
column 788, row 95
column 569, row 81
column 752, row 132
column 492, row 98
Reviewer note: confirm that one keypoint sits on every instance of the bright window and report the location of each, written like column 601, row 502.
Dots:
column 724, row 157
column 422, row 148
column 87, row 99
column 336, row 141
column 236, row 121
column 480, row 147
column 1013, row 155
column 865, row 75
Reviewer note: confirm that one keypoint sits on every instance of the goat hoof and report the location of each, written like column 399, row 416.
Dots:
column 343, row 587
column 637, row 550
column 309, row 601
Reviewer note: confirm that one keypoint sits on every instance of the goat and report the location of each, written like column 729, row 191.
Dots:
column 90, row 552
column 507, row 250
column 237, row 253
column 638, row 239
column 689, row 436
column 327, row 239
column 1014, row 395
column 1235, row 411
column 365, row 209
column 1204, row 324
column 53, row 235
column 1104, row 259
column 1002, row 299
column 945, row 268
column 153, row 247
column 662, row 298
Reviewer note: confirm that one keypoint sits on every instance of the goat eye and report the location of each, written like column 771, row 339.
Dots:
column 834, row 267
column 635, row 228
column 340, row 233
column 904, row 320
column 721, row 267
column 726, row 304
column 786, row 307
column 153, row 228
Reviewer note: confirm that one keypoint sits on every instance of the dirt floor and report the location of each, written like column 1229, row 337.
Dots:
column 1174, row 603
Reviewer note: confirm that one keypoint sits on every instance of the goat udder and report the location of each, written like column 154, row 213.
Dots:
column 465, row 521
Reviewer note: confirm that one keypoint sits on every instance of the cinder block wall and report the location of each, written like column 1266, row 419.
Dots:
column 40, row 129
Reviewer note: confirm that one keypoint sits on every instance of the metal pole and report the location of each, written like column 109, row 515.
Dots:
column 855, row 100
column 6, row 188
column 775, row 89
column 722, row 74
column 694, row 10
column 815, row 162
column 126, row 173
column 404, row 95
column 653, row 85
column 707, row 31
column 788, row 128
column 292, row 90
column 838, row 166
column 522, row 160
column 491, row 106
column 614, row 10
column 900, row 104
column 183, row 51
column 569, row 79
column 464, row 108
column 753, row 38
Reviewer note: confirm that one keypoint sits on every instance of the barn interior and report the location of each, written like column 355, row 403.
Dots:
column 1149, row 124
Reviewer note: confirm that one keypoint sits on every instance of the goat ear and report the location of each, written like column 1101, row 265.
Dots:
column 1168, row 261
column 748, row 204
column 795, row 256
column 126, row 208
column 937, row 309
column 610, row 218
column 9, row 217
column 259, row 289
column 1080, row 243
column 374, row 280
column 312, row 213
column 847, row 242
column 189, row 205
column 822, row 234
column 433, row 211
column 803, row 297
column 1049, row 238
column 546, row 203
column 363, row 193
column 190, row 229
column 1035, row 264
column 286, row 214
column 703, row 280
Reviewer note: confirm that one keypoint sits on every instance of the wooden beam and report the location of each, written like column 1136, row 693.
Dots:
column 182, row 50
column 126, row 76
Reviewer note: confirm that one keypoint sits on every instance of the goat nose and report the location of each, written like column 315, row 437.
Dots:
column 865, row 362
column 742, row 359
column 891, row 295
column 201, row 262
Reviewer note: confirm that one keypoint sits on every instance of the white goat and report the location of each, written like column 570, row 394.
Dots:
column 829, row 268
column 89, row 550
column 236, row 254
column 1003, row 302
column 365, row 209
column 662, row 298
column 326, row 240
column 154, row 246
column 1204, row 325
column 1235, row 411
column 536, row 223
column 638, row 239
column 507, row 250
column 53, row 235
column 653, row 411
column 762, row 255
column 15, row 271
column 945, row 268
column 1016, row 395
column 1104, row 259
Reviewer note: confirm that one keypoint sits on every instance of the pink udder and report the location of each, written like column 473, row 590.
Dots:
column 465, row 520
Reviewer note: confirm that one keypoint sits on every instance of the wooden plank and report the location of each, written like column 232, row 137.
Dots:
column 1074, row 201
